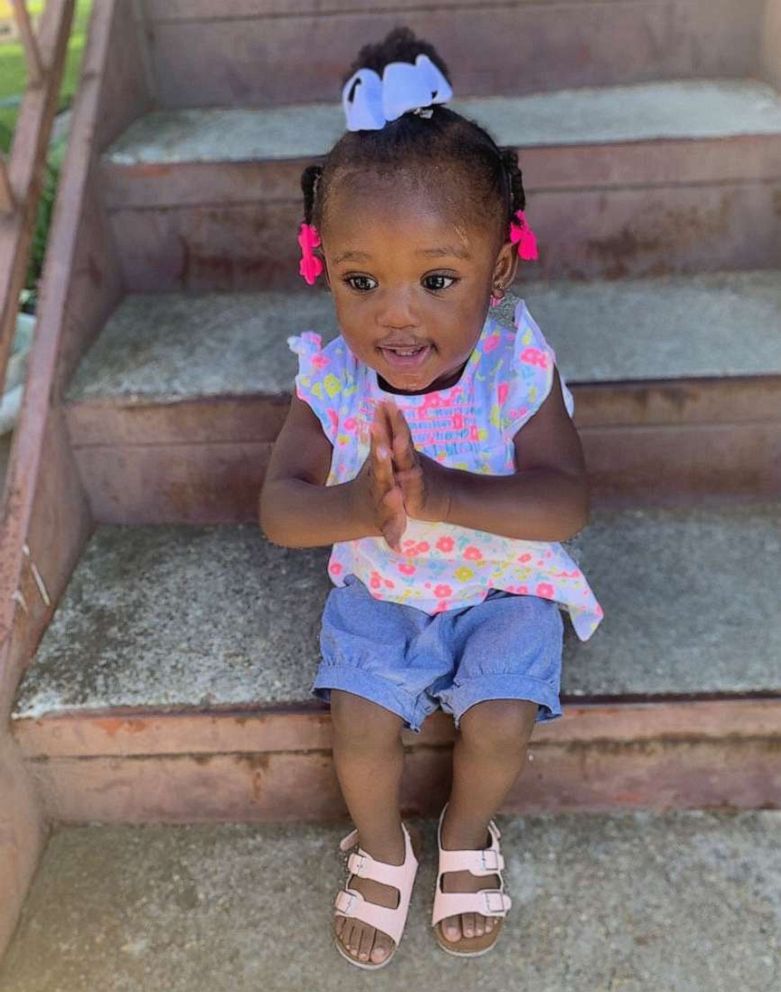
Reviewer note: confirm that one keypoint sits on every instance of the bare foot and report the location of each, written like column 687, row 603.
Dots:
column 359, row 940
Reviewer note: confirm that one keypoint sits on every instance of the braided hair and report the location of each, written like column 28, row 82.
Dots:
column 488, row 178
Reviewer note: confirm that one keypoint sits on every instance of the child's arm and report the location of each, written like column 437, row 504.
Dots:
column 545, row 500
column 298, row 510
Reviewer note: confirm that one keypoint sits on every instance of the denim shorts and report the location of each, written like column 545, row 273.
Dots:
column 409, row 662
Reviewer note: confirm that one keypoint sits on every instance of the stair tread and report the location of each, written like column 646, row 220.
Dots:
column 111, row 906
column 173, row 346
column 209, row 617
column 686, row 108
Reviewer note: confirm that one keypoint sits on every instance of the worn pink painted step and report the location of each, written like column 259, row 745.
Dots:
column 244, row 53
column 654, row 178
column 173, row 681
column 677, row 382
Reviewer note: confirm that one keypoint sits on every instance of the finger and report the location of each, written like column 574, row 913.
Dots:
column 396, row 521
column 381, row 426
column 403, row 446
column 382, row 464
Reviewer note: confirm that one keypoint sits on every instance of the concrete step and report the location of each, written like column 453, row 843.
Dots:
column 173, row 681
column 632, row 902
column 244, row 53
column 653, row 178
column 677, row 380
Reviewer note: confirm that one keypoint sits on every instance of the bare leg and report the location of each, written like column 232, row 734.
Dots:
column 489, row 754
column 369, row 760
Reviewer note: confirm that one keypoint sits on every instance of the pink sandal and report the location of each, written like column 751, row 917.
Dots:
column 486, row 902
column 352, row 904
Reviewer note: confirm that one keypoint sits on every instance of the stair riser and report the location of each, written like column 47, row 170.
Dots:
column 283, row 786
column 644, row 443
column 299, row 51
column 124, row 733
column 583, row 234
column 220, row 483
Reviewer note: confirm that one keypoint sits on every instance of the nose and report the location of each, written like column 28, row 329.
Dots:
column 396, row 310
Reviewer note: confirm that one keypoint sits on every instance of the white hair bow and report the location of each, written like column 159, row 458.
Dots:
column 370, row 102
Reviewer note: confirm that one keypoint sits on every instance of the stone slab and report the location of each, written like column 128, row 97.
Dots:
column 685, row 109
column 204, row 617
column 628, row 903
column 173, row 346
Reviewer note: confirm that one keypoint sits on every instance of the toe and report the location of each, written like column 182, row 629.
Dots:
column 382, row 948
column 468, row 924
column 479, row 925
column 489, row 924
column 339, row 925
column 351, row 939
column 365, row 943
column 451, row 928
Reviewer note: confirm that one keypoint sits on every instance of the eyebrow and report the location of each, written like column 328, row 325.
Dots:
column 352, row 256
column 446, row 250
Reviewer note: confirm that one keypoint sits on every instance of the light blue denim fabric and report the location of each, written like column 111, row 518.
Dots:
column 507, row 647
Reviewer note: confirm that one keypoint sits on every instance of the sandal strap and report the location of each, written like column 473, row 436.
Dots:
column 352, row 904
column 487, row 902
column 483, row 861
column 486, row 862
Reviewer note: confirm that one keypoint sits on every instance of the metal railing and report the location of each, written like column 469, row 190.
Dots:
column 21, row 171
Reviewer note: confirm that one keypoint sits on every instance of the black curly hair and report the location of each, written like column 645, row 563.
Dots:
column 485, row 178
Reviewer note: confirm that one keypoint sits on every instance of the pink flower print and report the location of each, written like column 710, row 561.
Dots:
column 523, row 590
column 406, row 569
column 524, row 558
column 441, row 606
column 335, row 568
column 319, row 361
column 333, row 417
column 458, row 421
column 422, row 548
column 491, row 342
column 443, row 591
column 350, row 424
column 545, row 590
column 504, row 389
column 472, row 553
column 374, row 581
column 389, row 584
column 474, row 434
column 533, row 356
column 445, row 544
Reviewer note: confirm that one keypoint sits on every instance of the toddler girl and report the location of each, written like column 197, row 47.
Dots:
column 434, row 449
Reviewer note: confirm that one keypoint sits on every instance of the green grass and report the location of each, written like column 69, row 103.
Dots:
column 13, row 70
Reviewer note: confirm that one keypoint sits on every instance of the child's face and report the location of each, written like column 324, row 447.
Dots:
column 411, row 280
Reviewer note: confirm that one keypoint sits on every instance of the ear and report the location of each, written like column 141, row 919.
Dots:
column 506, row 265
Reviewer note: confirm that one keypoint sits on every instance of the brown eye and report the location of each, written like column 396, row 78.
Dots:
column 362, row 284
column 437, row 282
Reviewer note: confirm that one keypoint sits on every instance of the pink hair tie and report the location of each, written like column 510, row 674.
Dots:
column 310, row 266
column 522, row 235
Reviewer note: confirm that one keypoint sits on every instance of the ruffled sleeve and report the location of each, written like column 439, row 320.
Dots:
column 325, row 376
column 530, row 377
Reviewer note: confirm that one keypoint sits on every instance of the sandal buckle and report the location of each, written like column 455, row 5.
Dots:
column 344, row 901
column 496, row 903
column 491, row 859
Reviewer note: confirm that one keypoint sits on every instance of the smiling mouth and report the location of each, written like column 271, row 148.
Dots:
column 401, row 358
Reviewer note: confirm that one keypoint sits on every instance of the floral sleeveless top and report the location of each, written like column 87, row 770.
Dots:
column 469, row 426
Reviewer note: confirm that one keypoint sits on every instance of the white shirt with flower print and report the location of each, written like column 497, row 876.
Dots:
column 469, row 426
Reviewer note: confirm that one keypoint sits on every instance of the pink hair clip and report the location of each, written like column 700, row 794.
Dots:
column 522, row 235
column 310, row 266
